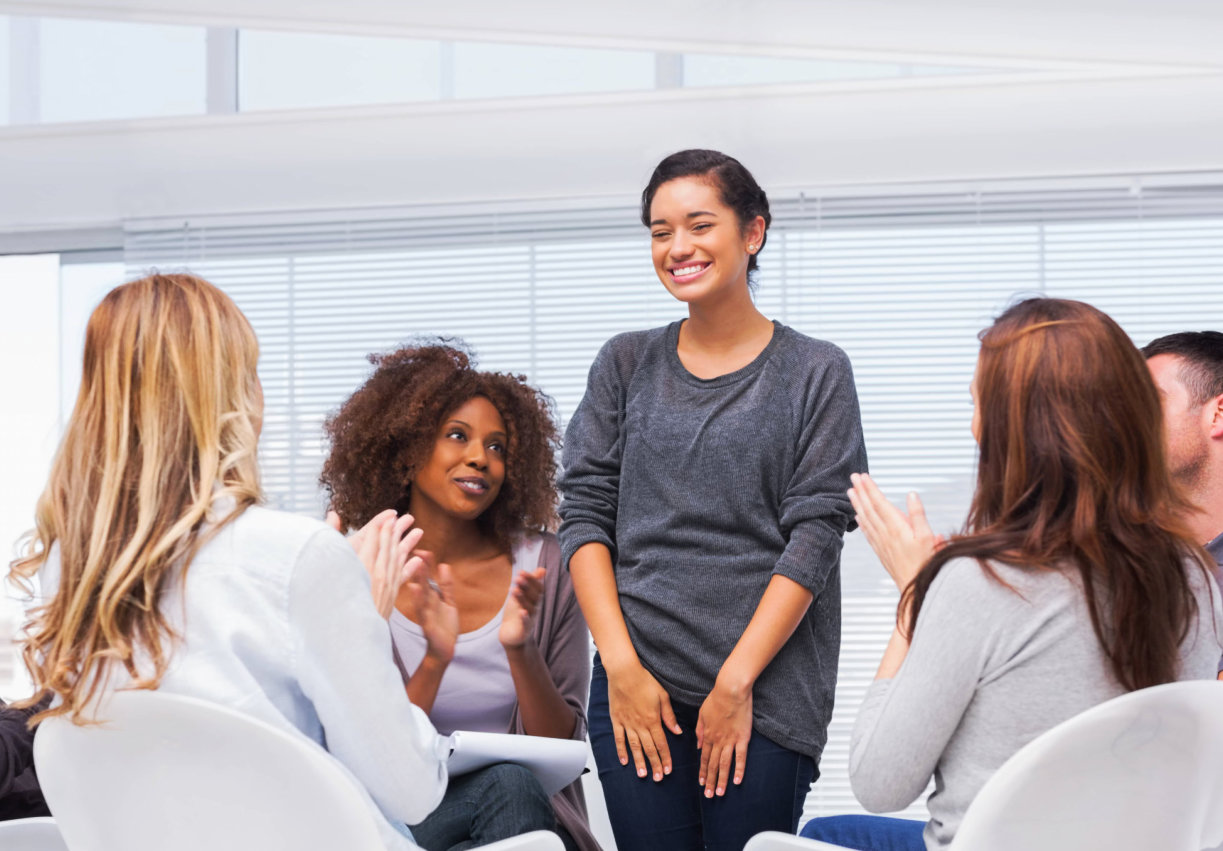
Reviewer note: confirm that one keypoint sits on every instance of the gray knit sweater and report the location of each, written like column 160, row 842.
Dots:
column 702, row 490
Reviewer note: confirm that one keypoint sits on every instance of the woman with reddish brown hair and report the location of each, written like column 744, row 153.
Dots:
column 497, row 643
column 1073, row 582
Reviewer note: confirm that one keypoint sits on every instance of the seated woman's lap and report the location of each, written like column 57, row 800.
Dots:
column 673, row 814
column 868, row 833
column 483, row 806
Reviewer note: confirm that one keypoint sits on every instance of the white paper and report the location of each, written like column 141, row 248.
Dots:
column 555, row 762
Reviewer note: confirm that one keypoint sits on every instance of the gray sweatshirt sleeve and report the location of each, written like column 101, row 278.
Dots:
column 905, row 723
column 815, row 510
column 590, row 483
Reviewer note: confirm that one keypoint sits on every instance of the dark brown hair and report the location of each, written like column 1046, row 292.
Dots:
column 386, row 430
column 1201, row 366
column 1072, row 475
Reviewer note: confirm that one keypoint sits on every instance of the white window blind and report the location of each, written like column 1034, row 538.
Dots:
column 903, row 281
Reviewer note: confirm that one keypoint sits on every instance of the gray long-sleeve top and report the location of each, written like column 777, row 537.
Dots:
column 988, row 671
column 702, row 490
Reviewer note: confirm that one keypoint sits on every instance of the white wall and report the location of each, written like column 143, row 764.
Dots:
column 42, row 333
column 29, row 420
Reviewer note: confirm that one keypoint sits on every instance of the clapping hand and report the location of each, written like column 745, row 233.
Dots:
column 517, row 618
column 432, row 606
column 903, row 542
column 385, row 546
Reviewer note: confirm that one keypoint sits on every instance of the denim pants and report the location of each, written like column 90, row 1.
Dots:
column 496, row 802
column 674, row 814
column 868, row 833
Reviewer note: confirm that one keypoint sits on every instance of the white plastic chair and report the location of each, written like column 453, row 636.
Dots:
column 31, row 834
column 1141, row 772
column 166, row 771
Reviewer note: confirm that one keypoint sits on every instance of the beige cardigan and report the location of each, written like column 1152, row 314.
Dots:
column 564, row 642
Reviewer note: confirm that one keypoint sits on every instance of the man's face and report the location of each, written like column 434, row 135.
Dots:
column 1186, row 427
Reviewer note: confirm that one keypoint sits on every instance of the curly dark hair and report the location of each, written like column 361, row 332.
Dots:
column 386, row 430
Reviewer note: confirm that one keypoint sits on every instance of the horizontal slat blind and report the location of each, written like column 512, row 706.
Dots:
column 903, row 281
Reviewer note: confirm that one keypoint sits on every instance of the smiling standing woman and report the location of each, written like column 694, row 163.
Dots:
column 704, row 506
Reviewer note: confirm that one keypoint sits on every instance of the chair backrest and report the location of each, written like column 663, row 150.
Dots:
column 165, row 771
column 31, row 834
column 1143, row 771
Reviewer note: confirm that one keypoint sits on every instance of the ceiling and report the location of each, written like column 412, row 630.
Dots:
column 1089, row 87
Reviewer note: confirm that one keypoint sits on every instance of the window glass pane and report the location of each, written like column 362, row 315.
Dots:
column 100, row 70
column 706, row 70
column 304, row 70
column 4, row 70
column 702, row 69
column 515, row 70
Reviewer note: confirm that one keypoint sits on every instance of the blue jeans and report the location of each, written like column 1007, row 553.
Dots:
column 483, row 806
column 674, row 814
column 868, row 833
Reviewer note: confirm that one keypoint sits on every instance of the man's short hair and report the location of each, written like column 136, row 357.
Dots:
column 1201, row 354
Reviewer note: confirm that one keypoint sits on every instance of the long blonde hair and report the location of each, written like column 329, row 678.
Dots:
column 165, row 425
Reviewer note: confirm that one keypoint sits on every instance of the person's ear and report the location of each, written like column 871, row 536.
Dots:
column 1215, row 407
column 754, row 234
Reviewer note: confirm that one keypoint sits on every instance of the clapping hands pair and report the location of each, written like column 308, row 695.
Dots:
column 401, row 572
column 386, row 546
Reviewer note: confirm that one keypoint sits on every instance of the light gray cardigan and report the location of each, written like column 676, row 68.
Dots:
column 989, row 670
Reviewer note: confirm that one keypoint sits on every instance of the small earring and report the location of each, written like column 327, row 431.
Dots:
column 751, row 246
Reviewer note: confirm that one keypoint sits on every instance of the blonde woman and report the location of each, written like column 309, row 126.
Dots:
column 159, row 569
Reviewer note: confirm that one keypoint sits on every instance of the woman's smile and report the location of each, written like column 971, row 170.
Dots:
column 474, row 485
column 688, row 272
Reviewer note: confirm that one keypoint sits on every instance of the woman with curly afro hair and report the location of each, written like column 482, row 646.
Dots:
column 495, row 641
